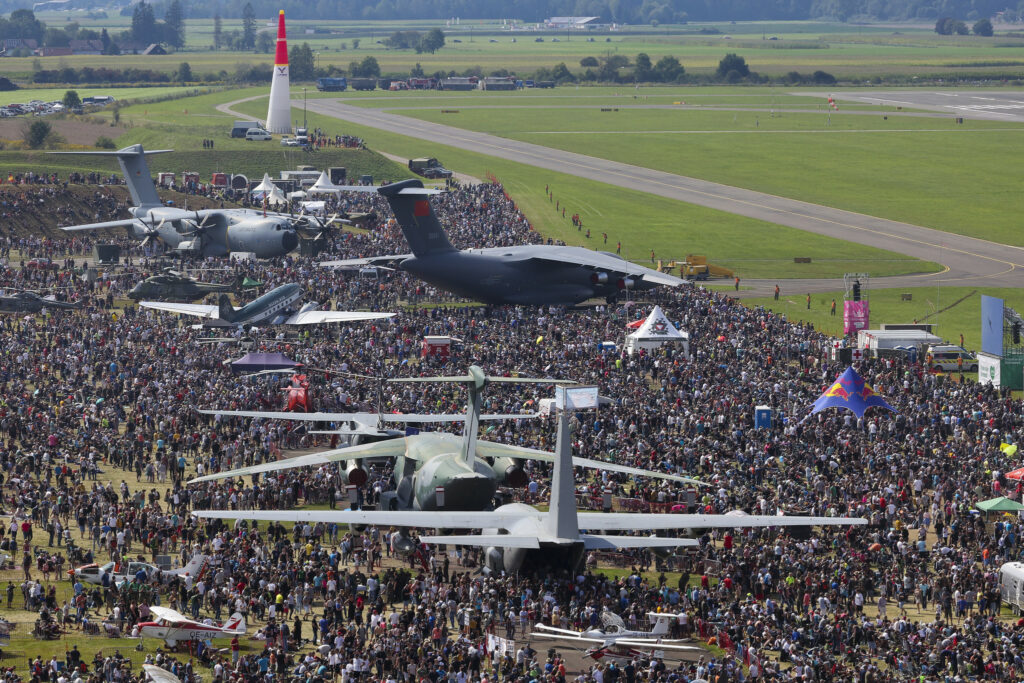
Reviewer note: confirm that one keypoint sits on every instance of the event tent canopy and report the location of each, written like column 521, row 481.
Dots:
column 255, row 362
column 655, row 331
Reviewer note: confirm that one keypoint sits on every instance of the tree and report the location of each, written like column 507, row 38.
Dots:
column 589, row 61
column 71, row 99
column 609, row 70
column 109, row 46
column 823, row 78
column 561, row 74
column 368, row 68
column 218, row 32
column 643, row 70
column 38, row 134
column 432, row 41
column 23, row 24
column 983, row 27
column 404, row 40
column 301, row 63
column 669, row 70
column 960, row 28
column 355, row 43
column 264, row 43
column 54, row 37
column 732, row 62
column 174, row 24
column 184, row 73
column 144, row 24
column 248, row 27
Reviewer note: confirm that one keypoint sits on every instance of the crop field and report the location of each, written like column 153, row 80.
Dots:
column 919, row 168
column 888, row 306
column 122, row 94
column 772, row 49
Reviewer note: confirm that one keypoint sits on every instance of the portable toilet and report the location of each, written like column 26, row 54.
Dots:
column 762, row 417
column 436, row 346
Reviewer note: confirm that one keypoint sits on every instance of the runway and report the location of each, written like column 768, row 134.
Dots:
column 968, row 261
column 994, row 105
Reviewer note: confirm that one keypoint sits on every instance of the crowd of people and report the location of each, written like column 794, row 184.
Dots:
column 99, row 436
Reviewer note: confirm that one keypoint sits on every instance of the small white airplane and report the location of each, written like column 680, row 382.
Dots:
column 615, row 641
column 125, row 571
column 173, row 627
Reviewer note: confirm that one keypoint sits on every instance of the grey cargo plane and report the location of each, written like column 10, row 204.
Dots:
column 203, row 233
column 526, row 275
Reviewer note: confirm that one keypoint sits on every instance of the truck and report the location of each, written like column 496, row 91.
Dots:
column 240, row 128
column 880, row 340
column 1011, row 585
column 332, row 84
column 363, row 84
column 429, row 167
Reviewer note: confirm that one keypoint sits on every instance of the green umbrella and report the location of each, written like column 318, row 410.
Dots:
column 1000, row 504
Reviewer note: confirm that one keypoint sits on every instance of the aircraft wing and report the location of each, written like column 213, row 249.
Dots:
column 595, row 260
column 366, row 418
column 125, row 223
column 390, row 448
column 551, row 631
column 592, row 542
column 497, row 540
column 201, row 310
column 445, row 519
column 491, row 449
column 168, row 614
column 159, row 675
column 386, row 261
column 317, row 317
column 653, row 644
column 624, row 521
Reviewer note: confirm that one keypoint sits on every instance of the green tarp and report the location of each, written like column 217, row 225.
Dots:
column 249, row 282
column 1000, row 504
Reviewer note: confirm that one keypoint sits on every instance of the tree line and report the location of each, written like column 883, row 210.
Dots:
column 145, row 29
column 619, row 11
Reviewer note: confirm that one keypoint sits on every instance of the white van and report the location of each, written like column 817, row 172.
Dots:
column 947, row 358
column 257, row 134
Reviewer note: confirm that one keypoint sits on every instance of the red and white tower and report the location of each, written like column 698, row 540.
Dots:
column 279, row 113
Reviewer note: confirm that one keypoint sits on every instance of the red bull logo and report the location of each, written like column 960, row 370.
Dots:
column 838, row 391
column 867, row 392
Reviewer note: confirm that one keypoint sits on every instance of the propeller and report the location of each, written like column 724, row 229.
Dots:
column 152, row 233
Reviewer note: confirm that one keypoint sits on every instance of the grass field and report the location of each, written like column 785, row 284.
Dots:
column 926, row 169
column 887, row 306
column 642, row 222
column 121, row 94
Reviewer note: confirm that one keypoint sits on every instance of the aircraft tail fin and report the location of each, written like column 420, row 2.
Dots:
column 136, row 172
column 236, row 624
column 562, row 521
column 225, row 310
column 660, row 626
column 411, row 206
column 195, row 567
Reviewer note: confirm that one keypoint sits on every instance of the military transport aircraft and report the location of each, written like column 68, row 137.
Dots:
column 170, row 285
column 273, row 308
column 521, row 537
column 529, row 275
column 30, row 302
column 203, row 233
column 467, row 469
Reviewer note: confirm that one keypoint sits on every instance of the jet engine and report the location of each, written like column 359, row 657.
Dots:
column 494, row 559
column 626, row 283
column 355, row 474
column 510, row 472
column 599, row 278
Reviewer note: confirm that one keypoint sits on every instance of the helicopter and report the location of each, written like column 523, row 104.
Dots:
column 30, row 302
column 172, row 285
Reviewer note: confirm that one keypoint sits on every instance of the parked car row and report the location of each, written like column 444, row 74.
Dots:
column 40, row 108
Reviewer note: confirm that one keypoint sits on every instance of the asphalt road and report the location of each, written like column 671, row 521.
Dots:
column 995, row 105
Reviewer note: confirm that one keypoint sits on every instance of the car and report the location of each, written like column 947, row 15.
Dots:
column 947, row 357
column 289, row 141
column 41, row 263
column 257, row 134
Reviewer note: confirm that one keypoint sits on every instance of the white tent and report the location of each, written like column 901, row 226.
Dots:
column 268, row 191
column 323, row 185
column 655, row 331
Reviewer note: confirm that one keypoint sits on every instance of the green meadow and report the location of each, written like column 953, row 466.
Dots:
column 923, row 169
column 640, row 221
column 122, row 94
column 926, row 304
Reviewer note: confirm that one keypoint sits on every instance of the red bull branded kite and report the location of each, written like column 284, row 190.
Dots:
column 850, row 391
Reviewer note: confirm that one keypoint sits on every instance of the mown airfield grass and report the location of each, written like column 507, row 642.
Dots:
column 640, row 221
column 922, row 169
column 888, row 306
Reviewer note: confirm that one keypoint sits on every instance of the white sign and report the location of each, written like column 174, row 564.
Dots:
column 988, row 370
column 575, row 398
column 353, row 495
column 439, row 496
column 857, row 354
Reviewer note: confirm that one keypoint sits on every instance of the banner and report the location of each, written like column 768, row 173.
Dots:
column 856, row 316
column 575, row 398
column 991, row 326
column 988, row 369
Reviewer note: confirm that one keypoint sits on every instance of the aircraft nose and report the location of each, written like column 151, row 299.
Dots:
column 289, row 240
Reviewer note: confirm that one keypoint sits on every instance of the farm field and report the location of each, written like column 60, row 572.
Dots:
column 773, row 49
column 641, row 222
column 924, row 169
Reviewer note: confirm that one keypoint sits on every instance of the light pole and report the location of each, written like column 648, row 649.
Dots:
column 304, row 108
